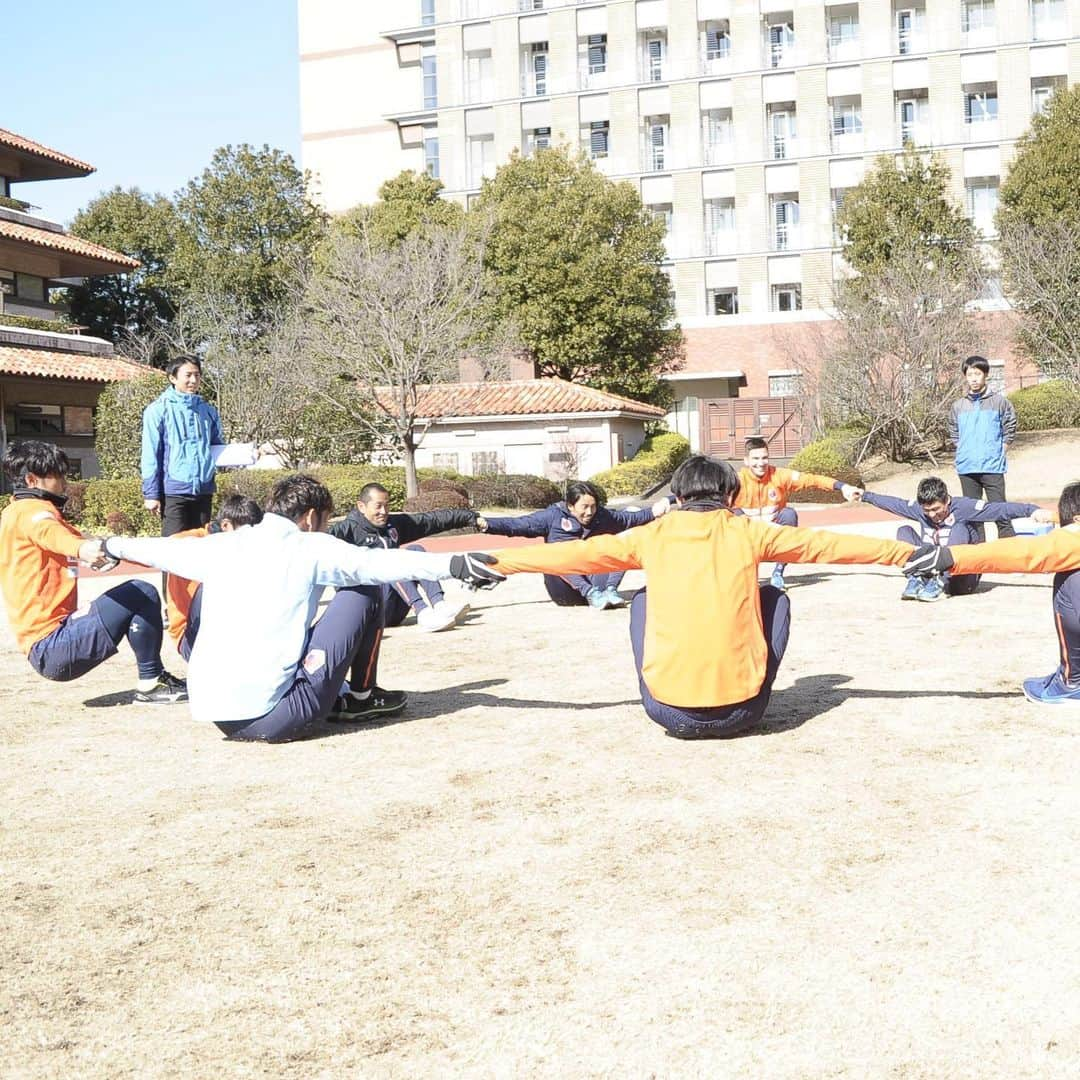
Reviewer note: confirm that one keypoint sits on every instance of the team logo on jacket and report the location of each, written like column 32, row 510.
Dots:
column 566, row 525
column 774, row 495
column 392, row 533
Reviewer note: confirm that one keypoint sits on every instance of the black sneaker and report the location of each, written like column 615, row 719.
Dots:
column 352, row 708
column 166, row 691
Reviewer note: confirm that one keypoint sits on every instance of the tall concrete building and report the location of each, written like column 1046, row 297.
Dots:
column 742, row 122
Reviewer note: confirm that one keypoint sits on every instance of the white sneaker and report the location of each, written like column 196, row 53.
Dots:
column 459, row 611
column 434, row 619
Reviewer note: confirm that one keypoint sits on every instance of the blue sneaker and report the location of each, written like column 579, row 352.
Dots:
column 613, row 598
column 1051, row 690
column 777, row 579
column 597, row 599
column 933, row 588
column 912, row 588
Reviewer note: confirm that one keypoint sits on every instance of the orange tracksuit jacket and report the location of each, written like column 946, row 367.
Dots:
column 38, row 568
column 764, row 498
column 179, row 593
column 1050, row 554
column 704, row 639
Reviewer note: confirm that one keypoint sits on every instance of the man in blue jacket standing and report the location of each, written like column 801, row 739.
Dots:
column 982, row 424
column 179, row 429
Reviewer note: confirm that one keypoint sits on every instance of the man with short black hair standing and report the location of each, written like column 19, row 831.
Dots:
column 982, row 424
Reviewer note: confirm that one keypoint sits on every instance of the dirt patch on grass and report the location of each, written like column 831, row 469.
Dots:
column 524, row 876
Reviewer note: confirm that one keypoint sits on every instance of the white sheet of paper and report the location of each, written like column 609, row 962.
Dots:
column 234, row 455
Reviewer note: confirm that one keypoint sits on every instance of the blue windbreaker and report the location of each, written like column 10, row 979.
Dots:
column 178, row 431
column 982, row 426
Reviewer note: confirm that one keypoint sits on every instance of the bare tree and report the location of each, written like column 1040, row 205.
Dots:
column 889, row 364
column 1042, row 282
column 383, row 324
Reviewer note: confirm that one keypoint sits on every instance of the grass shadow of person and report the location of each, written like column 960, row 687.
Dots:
column 106, row 701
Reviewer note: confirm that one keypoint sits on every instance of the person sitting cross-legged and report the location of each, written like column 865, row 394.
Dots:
column 942, row 520
column 580, row 515
column 259, row 669
column 707, row 640
column 1057, row 553
column 372, row 525
column 39, row 556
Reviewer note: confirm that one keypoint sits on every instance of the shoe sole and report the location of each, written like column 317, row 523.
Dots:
column 360, row 717
column 436, row 629
column 1051, row 701
column 174, row 699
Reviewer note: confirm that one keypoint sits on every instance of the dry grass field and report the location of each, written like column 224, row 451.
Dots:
column 522, row 876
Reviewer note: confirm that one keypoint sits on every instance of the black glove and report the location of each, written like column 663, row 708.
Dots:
column 928, row 559
column 474, row 569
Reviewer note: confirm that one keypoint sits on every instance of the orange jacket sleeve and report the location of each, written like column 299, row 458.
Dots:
column 805, row 481
column 618, row 552
column 817, row 545
column 50, row 534
column 1049, row 554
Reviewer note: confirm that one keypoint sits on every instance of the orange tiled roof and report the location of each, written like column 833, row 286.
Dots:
column 525, row 397
column 57, row 364
column 19, row 142
column 69, row 245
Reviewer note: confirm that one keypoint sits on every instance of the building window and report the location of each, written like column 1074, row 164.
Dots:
column 781, row 120
column 717, row 135
column 24, row 286
column 535, row 73
column 980, row 104
column 479, row 76
column 785, row 222
column 485, row 462
column 837, row 196
column 722, row 301
column 427, row 12
column 719, row 226
column 537, row 139
column 909, row 30
column 1048, row 19
column 653, row 56
column 38, row 420
column 779, row 39
column 785, row 384
column 431, row 150
column 787, row 298
column 444, row 461
column 715, row 46
column 911, row 116
column 431, row 82
column 977, row 20
column 844, row 32
column 481, row 159
column 846, row 126
column 592, row 62
column 598, row 132
column 982, row 201
column 1042, row 90
column 654, row 154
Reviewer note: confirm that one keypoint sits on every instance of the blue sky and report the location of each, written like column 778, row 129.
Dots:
column 146, row 91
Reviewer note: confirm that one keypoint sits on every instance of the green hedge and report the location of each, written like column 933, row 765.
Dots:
column 652, row 465
column 1054, row 404
column 828, row 456
column 33, row 322
column 118, row 423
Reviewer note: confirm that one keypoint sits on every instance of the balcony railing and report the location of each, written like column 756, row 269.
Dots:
column 533, row 85
column 592, row 77
column 716, row 61
column 982, row 130
column 719, row 152
column 846, row 140
column 978, row 36
column 910, row 41
column 724, row 242
column 784, row 146
column 653, row 69
column 779, row 54
column 844, row 47
column 654, row 158
column 476, row 92
column 916, row 132
column 784, row 237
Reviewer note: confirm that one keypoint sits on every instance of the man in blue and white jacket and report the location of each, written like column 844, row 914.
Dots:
column 982, row 424
column 259, row 670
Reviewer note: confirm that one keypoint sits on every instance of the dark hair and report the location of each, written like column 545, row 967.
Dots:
column 34, row 456
column 178, row 362
column 931, row 489
column 578, row 488
column 1069, row 503
column 701, row 477
column 368, row 490
column 755, row 443
column 239, row 510
column 294, row 496
column 979, row 362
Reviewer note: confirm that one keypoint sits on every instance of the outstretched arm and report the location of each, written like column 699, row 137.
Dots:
column 618, row 552
column 1056, row 552
column 889, row 503
column 998, row 511
column 818, row 545
column 536, row 524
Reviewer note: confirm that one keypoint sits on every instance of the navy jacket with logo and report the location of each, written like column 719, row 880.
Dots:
column 556, row 523
column 961, row 511
column 399, row 528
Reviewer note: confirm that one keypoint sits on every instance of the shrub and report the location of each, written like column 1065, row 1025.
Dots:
column 650, row 467
column 828, row 456
column 1054, row 404
column 447, row 499
column 118, row 423
column 33, row 322
column 516, row 492
column 104, row 498
column 4, row 500
column 76, row 501
column 432, row 484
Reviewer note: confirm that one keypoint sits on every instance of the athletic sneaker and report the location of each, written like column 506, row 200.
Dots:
column 456, row 611
column 434, row 619
column 351, row 707
column 1051, row 690
column 166, row 691
column 912, row 589
column 598, row 599
column 613, row 598
column 933, row 588
column 777, row 580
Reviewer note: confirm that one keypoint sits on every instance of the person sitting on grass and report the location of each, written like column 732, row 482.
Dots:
column 1057, row 553
column 580, row 515
column 259, row 669
column 39, row 555
column 945, row 521
column 706, row 665
column 183, row 598
column 372, row 525
column 764, row 491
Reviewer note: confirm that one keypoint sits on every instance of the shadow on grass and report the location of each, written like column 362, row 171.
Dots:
column 106, row 701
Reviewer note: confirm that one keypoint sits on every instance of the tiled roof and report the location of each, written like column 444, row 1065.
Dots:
column 28, row 146
column 63, row 242
column 57, row 364
column 525, row 397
